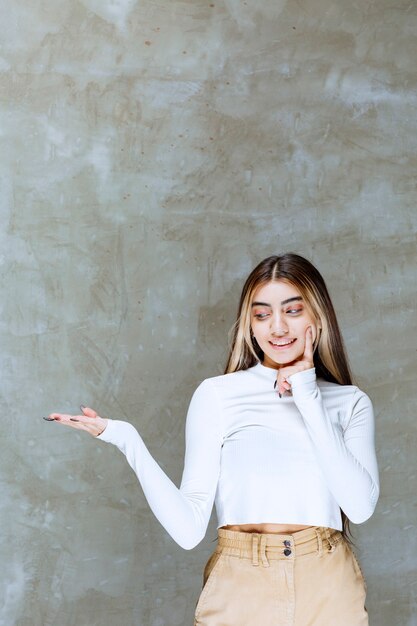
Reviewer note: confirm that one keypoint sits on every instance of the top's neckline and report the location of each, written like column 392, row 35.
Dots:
column 270, row 372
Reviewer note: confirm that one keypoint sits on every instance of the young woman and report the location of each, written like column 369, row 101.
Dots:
column 283, row 442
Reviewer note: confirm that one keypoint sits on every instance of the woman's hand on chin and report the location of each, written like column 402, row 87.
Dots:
column 89, row 421
column 305, row 362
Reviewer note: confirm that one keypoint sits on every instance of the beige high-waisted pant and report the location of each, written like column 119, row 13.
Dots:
column 309, row 578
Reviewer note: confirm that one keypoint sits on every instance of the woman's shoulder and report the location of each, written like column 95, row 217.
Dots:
column 228, row 379
column 221, row 386
column 231, row 380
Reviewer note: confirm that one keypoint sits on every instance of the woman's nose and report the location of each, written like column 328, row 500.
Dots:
column 278, row 325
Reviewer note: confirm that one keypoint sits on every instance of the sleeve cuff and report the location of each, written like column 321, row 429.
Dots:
column 108, row 433
column 301, row 379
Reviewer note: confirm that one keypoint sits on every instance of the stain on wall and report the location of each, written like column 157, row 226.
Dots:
column 151, row 154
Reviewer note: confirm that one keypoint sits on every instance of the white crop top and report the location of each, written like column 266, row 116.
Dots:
column 262, row 458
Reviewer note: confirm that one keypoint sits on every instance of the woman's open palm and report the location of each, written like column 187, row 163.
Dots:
column 89, row 421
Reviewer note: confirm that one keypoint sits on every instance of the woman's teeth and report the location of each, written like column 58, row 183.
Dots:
column 282, row 345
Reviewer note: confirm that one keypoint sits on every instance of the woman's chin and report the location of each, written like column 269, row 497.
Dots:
column 281, row 360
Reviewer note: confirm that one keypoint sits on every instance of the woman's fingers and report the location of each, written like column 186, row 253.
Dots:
column 302, row 363
column 282, row 385
column 308, row 347
column 85, row 417
column 88, row 412
column 61, row 417
column 69, row 420
column 93, row 424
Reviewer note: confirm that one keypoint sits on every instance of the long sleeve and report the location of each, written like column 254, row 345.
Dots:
column 347, row 459
column 184, row 512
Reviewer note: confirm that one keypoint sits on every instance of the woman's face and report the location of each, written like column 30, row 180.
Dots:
column 279, row 314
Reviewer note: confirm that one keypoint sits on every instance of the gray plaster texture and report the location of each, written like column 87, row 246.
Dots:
column 152, row 153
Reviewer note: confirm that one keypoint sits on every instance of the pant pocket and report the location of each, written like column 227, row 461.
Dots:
column 357, row 568
column 210, row 571
column 210, row 565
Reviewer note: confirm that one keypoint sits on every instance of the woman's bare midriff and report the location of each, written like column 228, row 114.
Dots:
column 282, row 529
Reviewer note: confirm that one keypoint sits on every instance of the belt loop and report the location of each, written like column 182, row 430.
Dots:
column 255, row 541
column 264, row 558
column 331, row 544
column 320, row 541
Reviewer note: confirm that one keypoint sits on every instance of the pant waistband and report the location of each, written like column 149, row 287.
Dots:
column 273, row 546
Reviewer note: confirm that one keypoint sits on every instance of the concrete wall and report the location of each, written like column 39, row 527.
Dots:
column 151, row 154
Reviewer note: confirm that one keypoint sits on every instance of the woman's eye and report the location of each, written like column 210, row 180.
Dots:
column 294, row 311
column 261, row 315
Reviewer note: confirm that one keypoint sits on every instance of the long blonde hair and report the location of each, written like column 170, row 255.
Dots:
column 330, row 358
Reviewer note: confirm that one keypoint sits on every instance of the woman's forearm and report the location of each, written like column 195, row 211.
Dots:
column 184, row 512
column 347, row 459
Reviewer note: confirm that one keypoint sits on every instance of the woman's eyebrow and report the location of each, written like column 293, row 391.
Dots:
column 282, row 303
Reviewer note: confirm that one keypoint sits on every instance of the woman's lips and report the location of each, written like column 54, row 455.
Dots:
column 284, row 347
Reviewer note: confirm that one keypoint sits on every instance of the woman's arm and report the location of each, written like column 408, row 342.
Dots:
column 347, row 459
column 184, row 512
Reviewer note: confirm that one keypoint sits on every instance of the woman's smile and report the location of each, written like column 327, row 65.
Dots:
column 282, row 345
